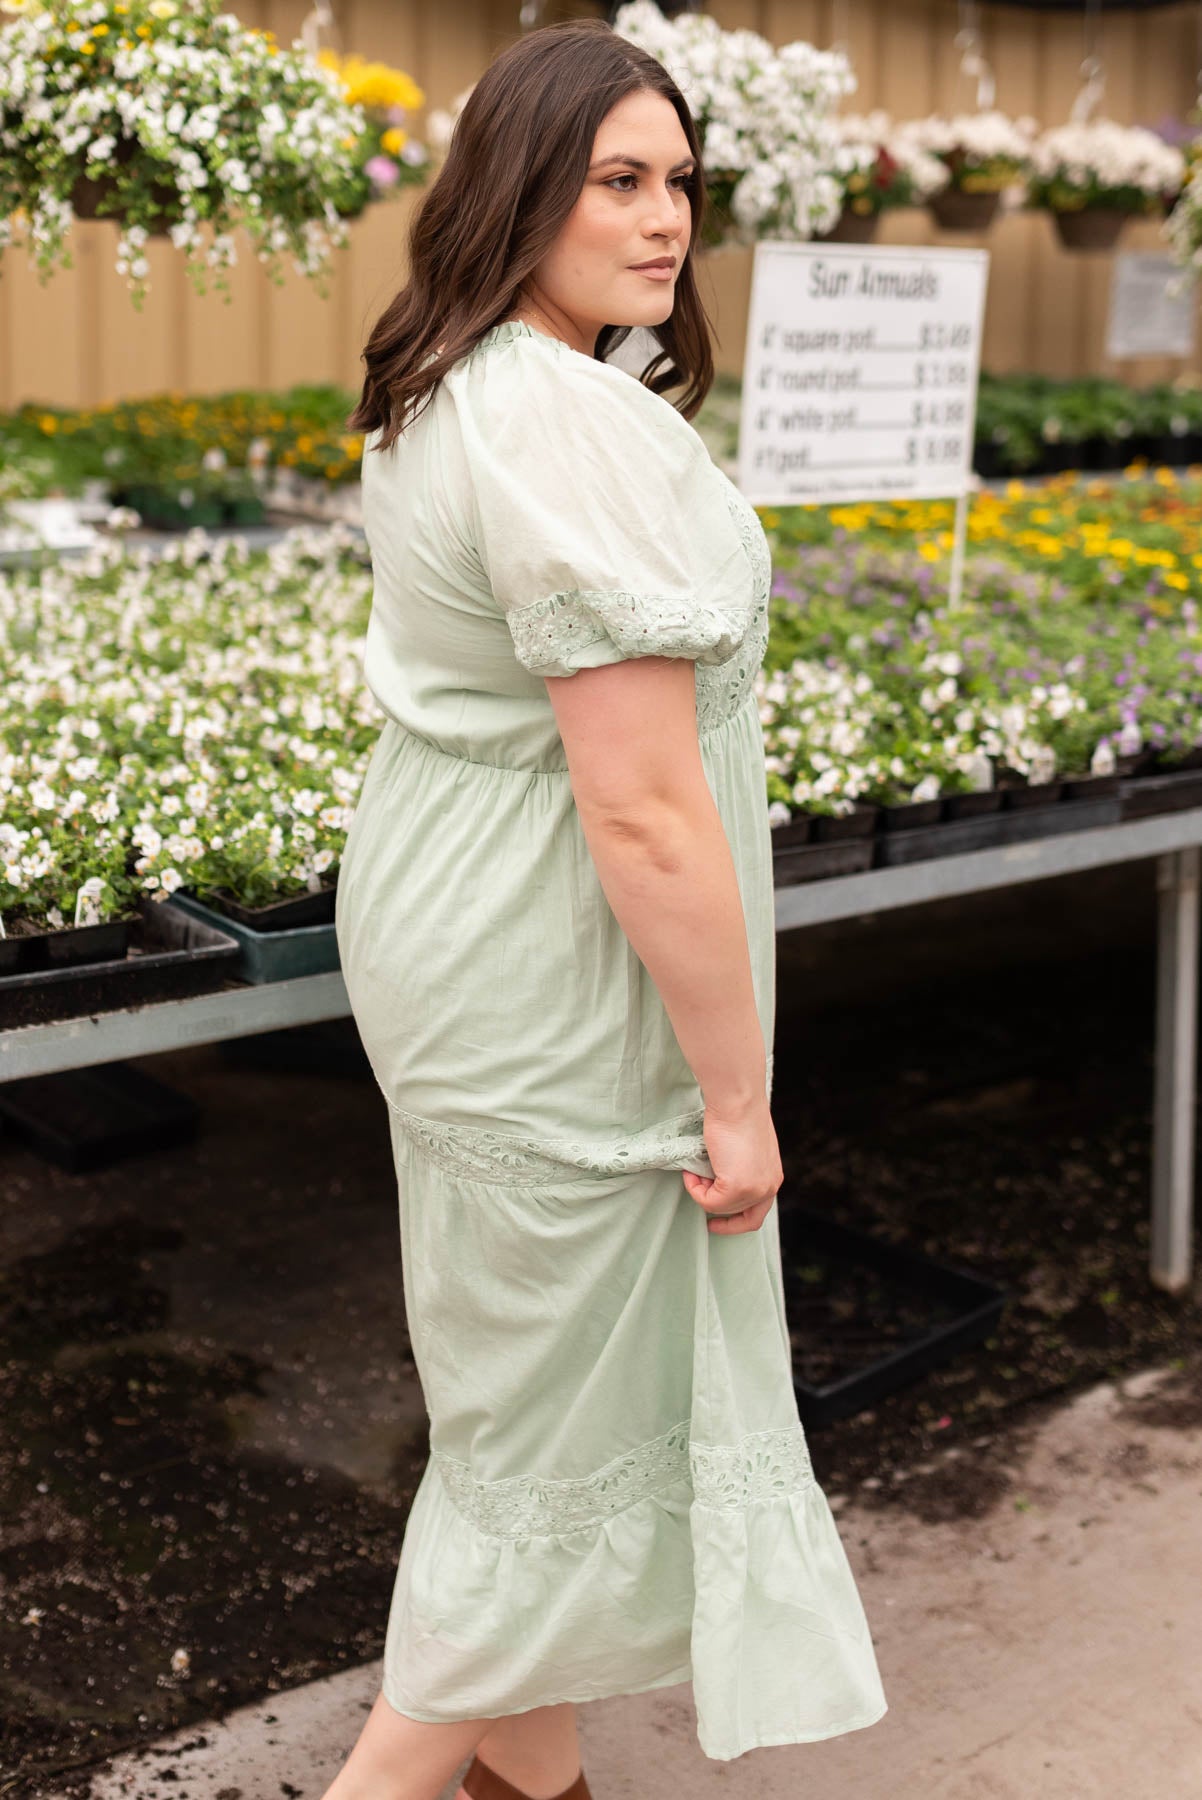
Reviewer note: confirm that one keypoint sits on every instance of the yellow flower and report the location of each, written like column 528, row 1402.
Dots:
column 1176, row 580
column 87, row 49
column 393, row 141
column 928, row 552
column 144, row 31
column 376, row 86
column 100, row 31
column 48, row 423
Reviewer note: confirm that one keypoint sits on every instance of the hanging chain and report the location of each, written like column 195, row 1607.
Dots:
column 973, row 64
column 320, row 20
column 1093, row 75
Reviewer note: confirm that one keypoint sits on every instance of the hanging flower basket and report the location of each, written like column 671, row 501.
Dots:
column 1089, row 227
column 1093, row 175
column 982, row 153
column 851, row 228
column 172, row 118
column 764, row 117
column 956, row 210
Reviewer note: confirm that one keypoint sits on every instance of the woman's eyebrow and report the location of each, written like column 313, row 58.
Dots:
column 636, row 162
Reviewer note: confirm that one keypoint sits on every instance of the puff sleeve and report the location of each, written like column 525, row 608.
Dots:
column 599, row 516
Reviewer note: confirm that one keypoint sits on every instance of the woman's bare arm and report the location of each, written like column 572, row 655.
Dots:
column 657, row 841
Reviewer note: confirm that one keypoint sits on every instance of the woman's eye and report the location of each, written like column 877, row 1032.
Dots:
column 683, row 181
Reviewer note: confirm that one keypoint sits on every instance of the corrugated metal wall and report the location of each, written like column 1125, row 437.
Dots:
column 77, row 341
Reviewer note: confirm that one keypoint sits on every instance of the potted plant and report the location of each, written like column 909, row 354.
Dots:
column 984, row 154
column 1093, row 175
column 765, row 116
column 170, row 118
column 878, row 172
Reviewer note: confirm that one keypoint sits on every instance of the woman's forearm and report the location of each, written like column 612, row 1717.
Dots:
column 669, row 877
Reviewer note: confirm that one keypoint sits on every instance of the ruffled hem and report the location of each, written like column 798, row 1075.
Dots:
column 756, row 1606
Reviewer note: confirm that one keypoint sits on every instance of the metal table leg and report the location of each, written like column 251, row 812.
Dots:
column 1176, row 1047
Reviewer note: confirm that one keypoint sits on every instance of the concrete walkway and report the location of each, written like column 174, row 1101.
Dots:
column 1048, row 1650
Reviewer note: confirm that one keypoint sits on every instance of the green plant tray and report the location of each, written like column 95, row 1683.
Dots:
column 270, row 955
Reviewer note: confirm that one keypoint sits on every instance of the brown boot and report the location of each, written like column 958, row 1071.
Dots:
column 483, row 1783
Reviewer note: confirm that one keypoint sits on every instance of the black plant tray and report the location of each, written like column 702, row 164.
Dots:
column 867, row 1317
column 88, row 1118
column 1016, row 826
column 810, row 862
column 1171, row 791
column 278, row 915
column 171, row 956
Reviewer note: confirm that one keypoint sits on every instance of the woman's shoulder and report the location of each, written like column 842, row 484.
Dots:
column 521, row 385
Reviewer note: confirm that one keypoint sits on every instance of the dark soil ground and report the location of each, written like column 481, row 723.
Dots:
column 999, row 1123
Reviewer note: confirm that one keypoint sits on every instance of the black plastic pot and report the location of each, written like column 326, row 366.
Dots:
column 69, row 946
column 859, row 822
column 799, row 830
column 1089, row 787
column 909, row 813
column 1137, row 762
column 1026, row 793
column 973, row 804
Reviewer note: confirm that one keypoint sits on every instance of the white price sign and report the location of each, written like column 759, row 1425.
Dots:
column 1146, row 317
column 860, row 374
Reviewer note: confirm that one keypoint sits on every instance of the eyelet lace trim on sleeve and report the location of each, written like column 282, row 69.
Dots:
column 765, row 1465
column 550, row 631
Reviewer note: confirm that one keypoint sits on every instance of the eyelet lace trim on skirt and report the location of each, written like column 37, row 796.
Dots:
column 479, row 1152
column 725, row 1478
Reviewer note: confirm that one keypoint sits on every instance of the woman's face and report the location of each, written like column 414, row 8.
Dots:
column 633, row 208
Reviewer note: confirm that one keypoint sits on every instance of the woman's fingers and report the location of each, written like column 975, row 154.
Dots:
column 749, row 1220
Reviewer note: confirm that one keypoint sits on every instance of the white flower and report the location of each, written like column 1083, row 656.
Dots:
column 1103, row 153
column 1102, row 760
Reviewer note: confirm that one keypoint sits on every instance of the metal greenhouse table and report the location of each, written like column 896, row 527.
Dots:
column 1172, row 838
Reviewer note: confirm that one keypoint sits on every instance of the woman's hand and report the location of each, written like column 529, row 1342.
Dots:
column 747, row 1169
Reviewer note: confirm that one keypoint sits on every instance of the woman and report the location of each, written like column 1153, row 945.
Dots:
column 556, row 921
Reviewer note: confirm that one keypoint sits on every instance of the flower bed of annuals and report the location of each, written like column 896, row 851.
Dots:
column 1136, row 542
column 167, row 437
column 197, row 720
column 875, row 689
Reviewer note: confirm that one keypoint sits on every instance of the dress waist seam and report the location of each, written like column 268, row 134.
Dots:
column 703, row 735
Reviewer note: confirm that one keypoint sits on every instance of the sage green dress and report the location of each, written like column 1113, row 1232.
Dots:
column 619, row 1494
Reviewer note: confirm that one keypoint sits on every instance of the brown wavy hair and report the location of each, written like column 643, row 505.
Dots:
column 515, row 167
